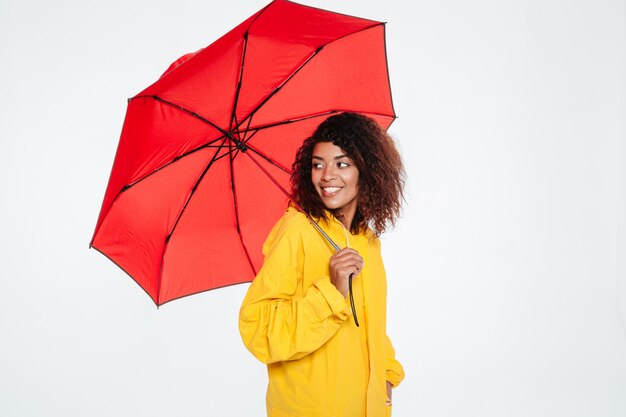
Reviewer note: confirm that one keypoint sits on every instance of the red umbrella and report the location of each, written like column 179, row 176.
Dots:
column 193, row 190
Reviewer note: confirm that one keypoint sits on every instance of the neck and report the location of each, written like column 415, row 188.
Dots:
column 346, row 217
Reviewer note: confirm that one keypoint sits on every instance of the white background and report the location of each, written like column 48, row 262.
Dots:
column 507, row 272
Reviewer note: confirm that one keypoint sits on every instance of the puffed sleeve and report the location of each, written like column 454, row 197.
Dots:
column 275, row 323
column 394, row 370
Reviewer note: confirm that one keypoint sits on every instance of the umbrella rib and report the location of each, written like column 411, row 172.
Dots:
column 245, row 139
column 268, row 159
column 290, row 77
column 233, row 115
column 247, row 129
column 289, row 121
column 214, row 158
column 209, row 144
column 127, row 186
column 278, row 88
column 236, row 207
column 235, row 152
column 301, row 118
column 184, row 110
column 180, row 214
column 243, row 60
column 256, row 130
column 206, row 145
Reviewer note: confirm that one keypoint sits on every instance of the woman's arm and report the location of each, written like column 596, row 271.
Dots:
column 275, row 323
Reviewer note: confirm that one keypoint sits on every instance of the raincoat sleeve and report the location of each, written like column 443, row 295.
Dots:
column 276, row 321
column 394, row 371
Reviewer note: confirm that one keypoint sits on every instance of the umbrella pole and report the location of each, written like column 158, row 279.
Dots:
column 244, row 148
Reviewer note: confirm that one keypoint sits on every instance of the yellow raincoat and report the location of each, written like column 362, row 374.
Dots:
column 295, row 320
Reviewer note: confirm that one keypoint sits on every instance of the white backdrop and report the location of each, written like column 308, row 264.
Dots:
column 507, row 272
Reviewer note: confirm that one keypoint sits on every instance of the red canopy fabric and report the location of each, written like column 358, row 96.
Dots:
column 185, row 209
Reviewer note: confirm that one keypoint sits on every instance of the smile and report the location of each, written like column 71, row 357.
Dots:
column 330, row 190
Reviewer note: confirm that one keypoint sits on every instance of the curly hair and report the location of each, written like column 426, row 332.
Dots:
column 381, row 173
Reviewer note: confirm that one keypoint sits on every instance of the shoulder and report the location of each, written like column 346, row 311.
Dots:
column 295, row 218
column 370, row 236
column 292, row 221
column 373, row 238
column 288, row 229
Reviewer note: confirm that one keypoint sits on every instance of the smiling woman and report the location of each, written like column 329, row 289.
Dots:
column 373, row 153
column 296, row 315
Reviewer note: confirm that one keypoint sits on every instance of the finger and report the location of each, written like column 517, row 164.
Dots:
column 348, row 262
column 348, row 269
column 354, row 256
column 356, row 262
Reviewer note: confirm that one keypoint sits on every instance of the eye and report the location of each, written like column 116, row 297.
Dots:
column 317, row 165
column 342, row 164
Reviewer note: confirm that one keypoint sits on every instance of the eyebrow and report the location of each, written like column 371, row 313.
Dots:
column 336, row 157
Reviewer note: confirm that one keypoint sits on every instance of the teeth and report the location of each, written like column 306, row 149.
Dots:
column 331, row 189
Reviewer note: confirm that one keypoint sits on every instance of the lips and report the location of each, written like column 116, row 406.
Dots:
column 330, row 191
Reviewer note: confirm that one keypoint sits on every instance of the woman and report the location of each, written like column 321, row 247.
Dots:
column 296, row 316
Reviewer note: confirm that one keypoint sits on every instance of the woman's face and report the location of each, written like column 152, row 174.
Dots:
column 335, row 178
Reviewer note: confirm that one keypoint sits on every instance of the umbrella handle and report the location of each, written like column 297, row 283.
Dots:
column 356, row 321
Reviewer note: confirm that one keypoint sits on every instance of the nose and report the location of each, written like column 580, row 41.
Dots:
column 329, row 173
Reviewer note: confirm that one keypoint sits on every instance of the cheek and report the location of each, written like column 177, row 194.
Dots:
column 314, row 177
column 354, row 180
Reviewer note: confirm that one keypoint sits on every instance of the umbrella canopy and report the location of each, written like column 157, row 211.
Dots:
column 204, row 152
